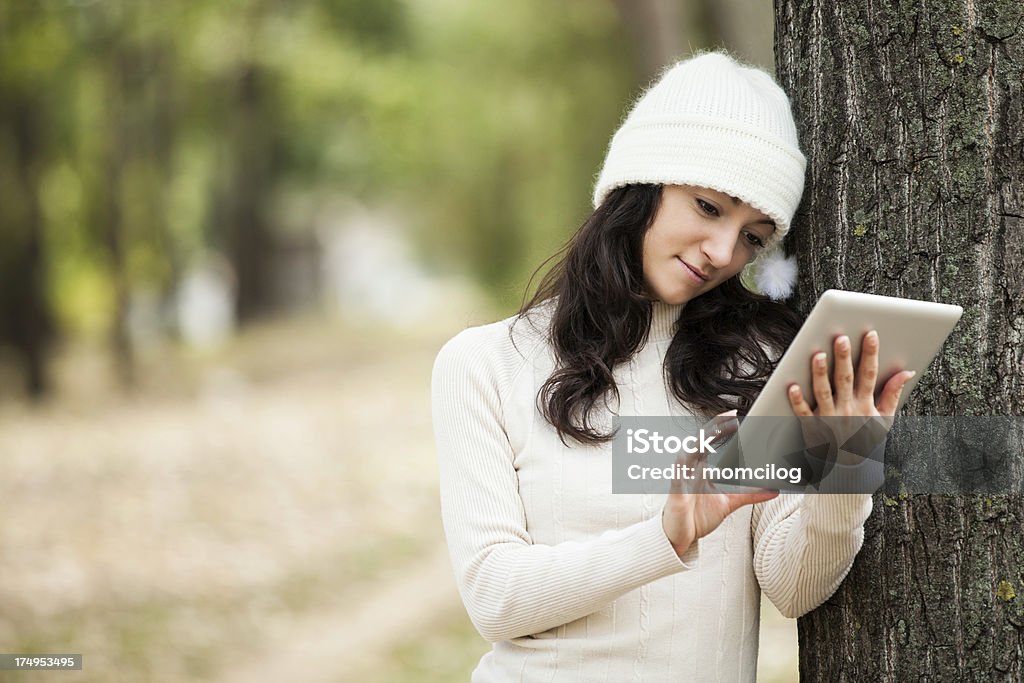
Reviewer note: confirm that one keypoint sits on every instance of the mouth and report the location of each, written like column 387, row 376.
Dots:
column 697, row 275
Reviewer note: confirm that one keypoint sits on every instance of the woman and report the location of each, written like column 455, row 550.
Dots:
column 644, row 315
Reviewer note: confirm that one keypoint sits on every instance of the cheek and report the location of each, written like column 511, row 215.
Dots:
column 652, row 250
column 657, row 245
column 655, row 261
column 735, row 267
column 649, row 267
column 743, row 258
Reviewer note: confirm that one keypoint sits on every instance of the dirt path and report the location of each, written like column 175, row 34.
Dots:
column 343, row 646
column 169, row 538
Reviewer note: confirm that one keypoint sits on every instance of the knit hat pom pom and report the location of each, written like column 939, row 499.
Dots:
column 776, row 276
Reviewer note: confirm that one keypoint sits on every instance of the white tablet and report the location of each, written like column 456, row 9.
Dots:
column 910, row 333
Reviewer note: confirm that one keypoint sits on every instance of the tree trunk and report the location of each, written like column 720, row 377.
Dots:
column 911, row 116
column 27, row 310
column 663, row 31
column 660, row 31
column 744, row 27
column 114, row 237
column 249, row 235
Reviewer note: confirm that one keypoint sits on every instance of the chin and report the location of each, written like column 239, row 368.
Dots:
column 675, row 299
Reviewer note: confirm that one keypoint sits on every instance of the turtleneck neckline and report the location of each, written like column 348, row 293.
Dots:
column 663, row 320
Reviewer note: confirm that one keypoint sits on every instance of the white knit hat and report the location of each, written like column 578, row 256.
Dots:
column 712, row 122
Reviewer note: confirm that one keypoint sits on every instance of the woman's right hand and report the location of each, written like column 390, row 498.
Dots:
column 695, row 507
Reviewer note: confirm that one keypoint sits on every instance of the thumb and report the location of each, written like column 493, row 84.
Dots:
column 738, row 500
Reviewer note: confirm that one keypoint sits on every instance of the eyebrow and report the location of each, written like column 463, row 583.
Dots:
column 766, row 221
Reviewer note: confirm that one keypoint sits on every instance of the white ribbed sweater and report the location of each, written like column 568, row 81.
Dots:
column 573, row 583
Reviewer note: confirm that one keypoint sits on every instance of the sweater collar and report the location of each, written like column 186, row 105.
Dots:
column 663, row 320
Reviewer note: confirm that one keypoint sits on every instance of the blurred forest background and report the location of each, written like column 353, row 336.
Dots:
column 233, row 235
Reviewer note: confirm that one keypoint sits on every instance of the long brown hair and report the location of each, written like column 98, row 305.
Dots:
column 602, row 315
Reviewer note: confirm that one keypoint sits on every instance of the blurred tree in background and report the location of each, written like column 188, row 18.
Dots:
column 147, row 148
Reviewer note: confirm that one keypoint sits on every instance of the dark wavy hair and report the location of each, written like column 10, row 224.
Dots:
column 717, row 360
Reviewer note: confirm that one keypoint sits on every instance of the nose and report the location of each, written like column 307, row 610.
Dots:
column 719, row 246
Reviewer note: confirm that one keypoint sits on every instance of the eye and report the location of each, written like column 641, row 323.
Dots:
column 754, row 239
column 707, row 207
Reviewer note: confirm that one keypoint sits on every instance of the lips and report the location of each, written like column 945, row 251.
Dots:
column 698, row 275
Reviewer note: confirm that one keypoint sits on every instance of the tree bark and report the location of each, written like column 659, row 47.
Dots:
column 911, row 116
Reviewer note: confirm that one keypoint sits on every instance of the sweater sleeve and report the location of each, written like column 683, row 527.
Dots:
column 804, row 546
column 511, row 586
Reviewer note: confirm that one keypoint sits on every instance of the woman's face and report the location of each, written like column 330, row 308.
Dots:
column 699, row 239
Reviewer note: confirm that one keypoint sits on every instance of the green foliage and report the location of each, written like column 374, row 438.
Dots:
column 372, row 24
column 534, row 93
column 485, row 124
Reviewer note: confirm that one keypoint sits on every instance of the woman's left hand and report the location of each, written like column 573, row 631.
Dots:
column 851, row 397
column 852, row 400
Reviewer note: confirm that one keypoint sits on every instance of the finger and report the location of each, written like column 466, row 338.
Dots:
column 727, row 430
column 843, row 369
column 867, row 369
column 680, row 485
column 722, row 426
column 738, row 500
column 820, row 385
column 721, row 421
column 891, row 393
column 692, row 479
column 675, row 485
column 797, row 401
